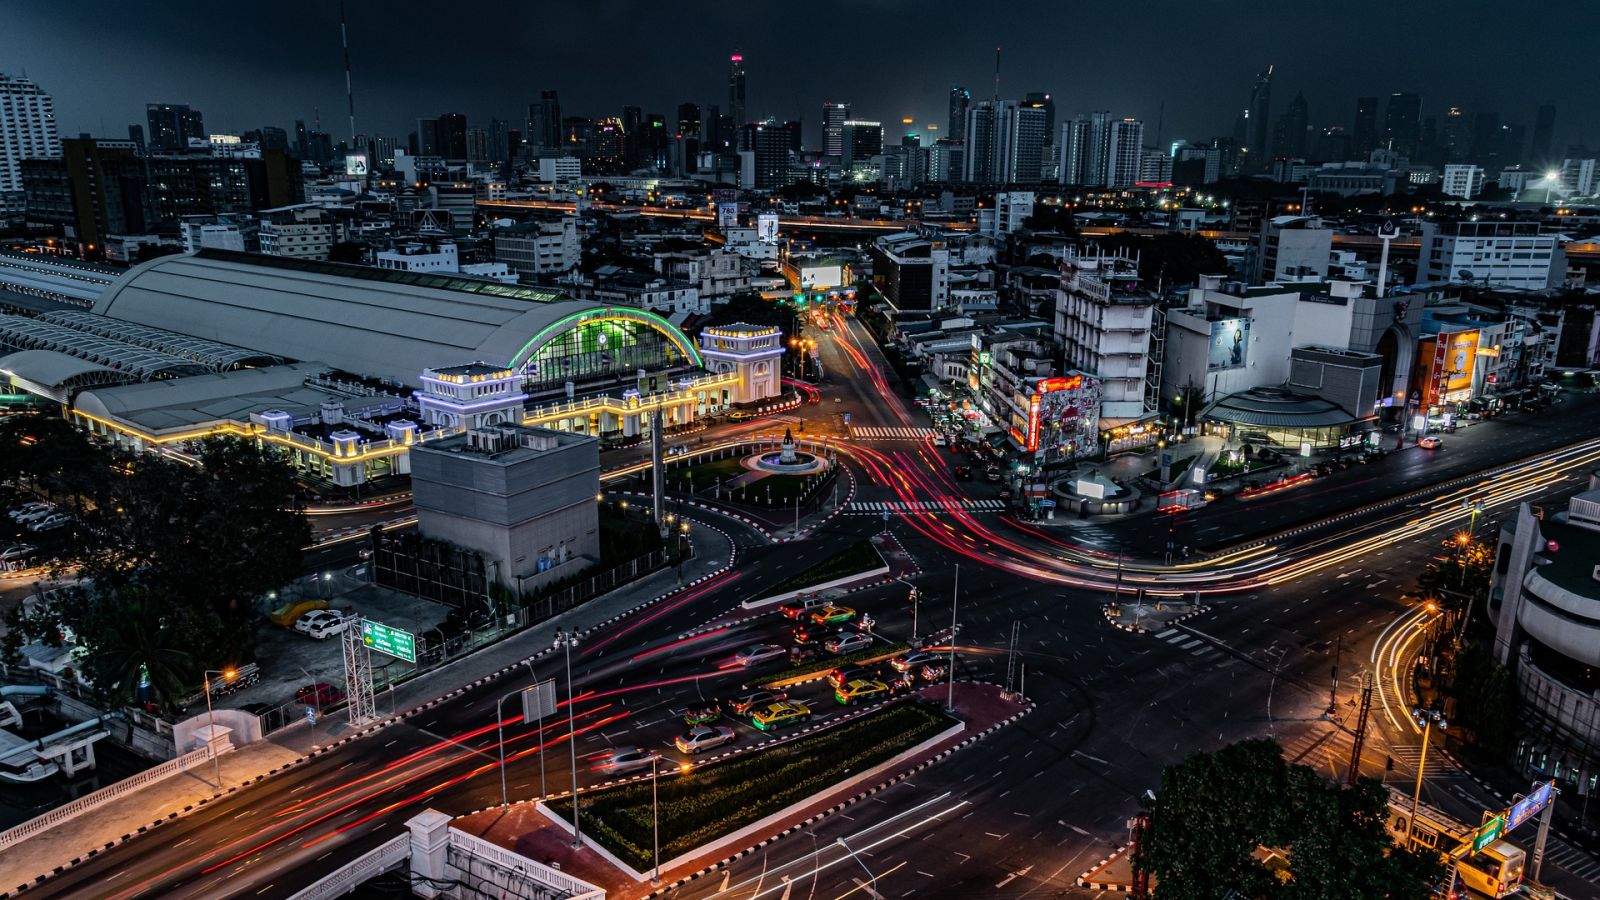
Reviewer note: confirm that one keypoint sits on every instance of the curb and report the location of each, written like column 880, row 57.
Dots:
column 1083, row 880
column 1110, row 618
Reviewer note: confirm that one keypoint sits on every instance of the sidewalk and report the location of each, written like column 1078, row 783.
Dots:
column 121, row 819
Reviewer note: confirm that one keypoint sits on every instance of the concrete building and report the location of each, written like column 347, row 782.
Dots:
column 1103, row 322
column 1006, row 214
column 558, row 169
column 833, row 119
column 1124, row 152
column 172, row 126
column 912, row 272
column 668, row 297
column 1544, row 598
column 539, row 247
column 1292, row 246
column 298, row 232
column 719, row 273
column 419, row 257
column 238, row 233
column 1493, row 254
column 524, row 498
column 27, row 131
column 1462, row 181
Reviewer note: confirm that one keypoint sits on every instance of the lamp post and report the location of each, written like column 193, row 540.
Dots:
column 567, row 640
column 211, row 721
column 655, row 822
column 500, row 736
column 1426, row 718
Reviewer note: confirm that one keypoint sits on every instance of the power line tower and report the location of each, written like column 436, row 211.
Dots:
column 358, row 674
column 1011, row 657
column 1367, row 684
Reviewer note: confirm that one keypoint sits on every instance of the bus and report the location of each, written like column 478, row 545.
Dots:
column 1495, row 871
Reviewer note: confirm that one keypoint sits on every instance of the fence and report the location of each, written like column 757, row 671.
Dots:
column 353, row 874
column 110, row 792
column 465, row 845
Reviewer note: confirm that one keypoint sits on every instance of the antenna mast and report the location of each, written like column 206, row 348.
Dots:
column 349, row 92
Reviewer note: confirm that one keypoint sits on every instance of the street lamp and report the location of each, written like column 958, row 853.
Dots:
column 1428, row 719
column 211, row 721
column 500, row 736
column 567, row 640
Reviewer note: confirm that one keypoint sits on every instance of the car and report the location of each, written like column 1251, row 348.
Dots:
column 778, row 715
column 317, row 619
column 36, row 514
column 740, row 416
column 962, row 473
column 756, row 654
column 703, row 737
column 849, row 673
column 852, row 692
column 905, row 662
column 320, row 693
column 622, row 760
column 832, row 615
column 744, row 703
column 803, row 634
column 16, row 552
column 327, row 626
column 992, row 473
column 28, row 509
column 1430, row 443
column 50, row 522
column 799, row 606
column 934, row 672
column 939, row 440
column 701, row 715
column 847, row 642
column 803, row 653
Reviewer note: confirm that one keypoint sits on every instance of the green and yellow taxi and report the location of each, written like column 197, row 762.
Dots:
column 833, row 615
column 859, row 691
column 778, row 715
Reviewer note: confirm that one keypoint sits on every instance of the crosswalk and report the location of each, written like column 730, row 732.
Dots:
column 1190, row 644
column 890, row 433
column 876, row 507
column 1571, row 859
column 1439, row 765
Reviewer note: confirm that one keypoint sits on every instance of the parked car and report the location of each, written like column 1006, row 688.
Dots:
column 317, row 619
column 701, row 715
column 704, row 737
column 328, row 626
column 799, row 606
column 847, row 642
column 744, row 703
column 50, row 522
column 779, row 715
column 320, row 693
column 35, row 514
column 832, row 615
column 853, row 692
column 28, row 509
column 17, row 552
column 756, row 654
column 622, row 760
column 905, row 662
column 1430, row 443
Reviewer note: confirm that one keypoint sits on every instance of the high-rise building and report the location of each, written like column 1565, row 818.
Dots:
column 833, row 119
column 860, row 141
column 606, row 146
column 736, row 88
column 1544, row 129
column 1094, row 169
column 497, row 141
column 477, row 145
column 1364, row 137
column 27, row 131
column 1073, row 149
column 1488, row 141
column 1025, row 134
column 172, row 125
column 136, row 134
column 1402, row 123
column 544, row 122
column 450, row 132
column 1040, row 100
column 982, row 160
column 1289, row 140
column 1451, row 140
column 768, row 145
column 689, row 121
column 427, row 142
column 960, row 100
column 1260, row 110
column 1124, row 152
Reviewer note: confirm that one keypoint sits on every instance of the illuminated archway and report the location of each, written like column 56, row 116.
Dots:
column 596, row 329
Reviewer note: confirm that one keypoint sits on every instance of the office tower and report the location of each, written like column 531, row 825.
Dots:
column 513, row 144
column 1364, row 138
column 1402, row 121
column 1544, row 129
column 981, row 160
column 632, row 136
column 497, row 141
column 1289, row 139
column 689, row 120
column 769, row 146
column 1260, row 110
column 27, row 131
column 795, row 128
column 136, row 134
column 172, row 125
column 300, row 146
column 1073, row 144
column 450, row 132
column 271, row 137
column 477, row 145
column 1488, row 141
column 607, row 148
column 736, row 88
column 1026, row 133
column 655, row 142
column 960, row 101
column 427, row 138
column 544, row 122
column 1038, row 100
column 1450, row 140
column 1124, row 152
column 833, row 119
column 860, row 141
column 1094, row 168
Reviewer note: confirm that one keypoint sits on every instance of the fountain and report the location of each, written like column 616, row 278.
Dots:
column 789, row 460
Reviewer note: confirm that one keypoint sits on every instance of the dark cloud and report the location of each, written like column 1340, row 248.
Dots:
column 270, row 64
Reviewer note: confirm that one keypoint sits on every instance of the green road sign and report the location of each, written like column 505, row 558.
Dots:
column 393, row 641
column 1489, row 831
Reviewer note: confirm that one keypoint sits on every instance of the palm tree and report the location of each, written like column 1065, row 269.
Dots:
column 134, row 648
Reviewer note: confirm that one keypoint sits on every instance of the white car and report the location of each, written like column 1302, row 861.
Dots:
column 913, row 660
column 16, row 552
column 939, row 440
column 847, row 642
column 324, row 628
column 622, row 760
column 28, row 509
column 318, row 619
column 50, row 522
column 759, row 653
column 35, row 515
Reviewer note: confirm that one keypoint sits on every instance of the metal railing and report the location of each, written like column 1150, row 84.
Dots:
column 88, row 802
column 358, row 871
column 515, row 862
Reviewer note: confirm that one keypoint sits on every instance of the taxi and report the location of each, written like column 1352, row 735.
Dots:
column 833, row 615
column 852, row 692
column 778, row 715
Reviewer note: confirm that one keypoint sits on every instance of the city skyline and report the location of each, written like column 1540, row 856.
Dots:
column 286, row 70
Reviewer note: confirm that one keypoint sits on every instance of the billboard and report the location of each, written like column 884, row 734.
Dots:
column 1460, row 355
column 1064, row 417
column 1229, row 345
column 355, row 165
column 727, row 215
column 767, row 227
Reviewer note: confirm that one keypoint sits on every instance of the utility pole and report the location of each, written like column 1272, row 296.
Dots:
column 1367, row 685
column 1011, row 656
column 950, row 682
column 1333, row 688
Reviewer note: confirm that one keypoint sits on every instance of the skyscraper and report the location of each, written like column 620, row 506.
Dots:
column 1041, row 100
column 1289, row 140
column 981, row 161
column 1094, row 167
column 960, row 99
column 1544, row 129
column 1026, row 131
column 833, row 119
column 736, row 88
column 1073, row 143
column 172, row 125
column 689, row 120
column 1402, row 123
column 544, row 122
column 1260, row 118
column 861, row 140
column 1124, row 150
column 27, row 131
column 1364, row 137
column 450, row 135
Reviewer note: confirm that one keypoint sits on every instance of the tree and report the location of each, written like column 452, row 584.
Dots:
column 1215, row 809
column 1051, row 217
column 1486, row 699
column 1178, row 259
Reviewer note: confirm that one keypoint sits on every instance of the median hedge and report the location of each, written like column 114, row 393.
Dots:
column 856, row 558
column 827, row 663
column 720, row 798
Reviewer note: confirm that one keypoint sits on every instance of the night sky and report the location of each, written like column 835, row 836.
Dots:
column 246, row 65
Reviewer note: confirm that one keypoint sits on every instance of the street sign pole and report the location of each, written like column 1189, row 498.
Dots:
column 1544, row 834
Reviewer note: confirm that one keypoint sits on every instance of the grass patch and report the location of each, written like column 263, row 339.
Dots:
column 827, row 664
column 858, row 557
column 723, row 797
column 708, row 474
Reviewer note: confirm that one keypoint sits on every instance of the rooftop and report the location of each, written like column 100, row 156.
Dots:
column 1269, row 407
